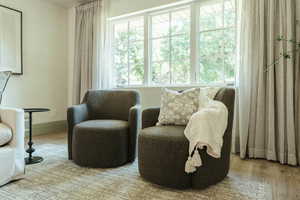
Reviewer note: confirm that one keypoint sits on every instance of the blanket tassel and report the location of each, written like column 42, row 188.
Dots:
column 193, row 162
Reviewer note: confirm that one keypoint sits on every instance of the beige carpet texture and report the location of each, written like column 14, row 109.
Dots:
column 57, row 178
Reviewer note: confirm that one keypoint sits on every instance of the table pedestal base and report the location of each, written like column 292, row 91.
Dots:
column 33, row 160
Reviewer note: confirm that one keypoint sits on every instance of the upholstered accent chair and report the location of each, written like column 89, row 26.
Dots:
column 12, row 164
column 163, row 151
column 102, row 131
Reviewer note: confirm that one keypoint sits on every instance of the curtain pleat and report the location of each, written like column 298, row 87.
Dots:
column 297, row 84
column 87, row 48
column 267, row 103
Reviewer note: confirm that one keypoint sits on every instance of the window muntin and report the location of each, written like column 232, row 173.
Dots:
column 128, row 52
column 217, row 42
column 170, row 47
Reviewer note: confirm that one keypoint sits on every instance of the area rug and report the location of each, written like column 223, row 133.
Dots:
column 57, row 178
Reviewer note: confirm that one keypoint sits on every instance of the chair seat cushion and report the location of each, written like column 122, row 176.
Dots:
column 104, row 125
column 169, row 133
column 163, row 151
column 5, row 134
column 100, row 143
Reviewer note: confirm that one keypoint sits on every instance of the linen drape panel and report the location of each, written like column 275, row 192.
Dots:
column 87, row 44
column 267, row 114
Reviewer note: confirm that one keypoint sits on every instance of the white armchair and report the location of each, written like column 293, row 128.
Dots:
column 12, row 165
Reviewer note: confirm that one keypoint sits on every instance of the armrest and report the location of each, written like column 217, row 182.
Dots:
column 150, row 117
column 134, row 126
column 227, row 96
column 75, row 115
column 14, row 118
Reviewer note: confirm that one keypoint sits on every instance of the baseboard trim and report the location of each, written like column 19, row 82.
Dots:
column 46, row 128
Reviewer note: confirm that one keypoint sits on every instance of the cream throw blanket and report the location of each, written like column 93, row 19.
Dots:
column 205, row 129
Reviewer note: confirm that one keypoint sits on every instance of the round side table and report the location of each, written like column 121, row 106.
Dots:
column 32, row 159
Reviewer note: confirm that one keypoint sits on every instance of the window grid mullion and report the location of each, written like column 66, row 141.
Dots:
column 193, row 44
column 128, row 57
column 147, row 50
column 112, row 52
column 170, row 48
column 167, row 36
column 223, row 42
column 198, row 41
column 217, row 29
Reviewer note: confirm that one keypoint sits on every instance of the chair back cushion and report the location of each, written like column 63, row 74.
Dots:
column 110, row 104
column 5, row 134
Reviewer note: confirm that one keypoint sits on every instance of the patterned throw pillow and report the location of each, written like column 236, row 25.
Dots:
column 177, row 108
column 5, row 134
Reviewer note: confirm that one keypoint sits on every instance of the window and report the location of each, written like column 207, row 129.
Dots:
column 170, row 47
column 128, row 52
column 217, row 42
column 189, row 44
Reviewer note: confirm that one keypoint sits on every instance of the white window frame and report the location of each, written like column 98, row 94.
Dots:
column 194, row 6
column 112, row 27
column 198, row 32
column 169, row 36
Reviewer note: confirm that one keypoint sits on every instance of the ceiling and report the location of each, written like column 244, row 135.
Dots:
column 66, row 3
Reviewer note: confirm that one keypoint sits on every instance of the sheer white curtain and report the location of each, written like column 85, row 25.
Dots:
column 92, row 66
column 267, row 103
column 105, row 79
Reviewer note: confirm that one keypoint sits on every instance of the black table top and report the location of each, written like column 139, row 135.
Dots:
column 36, row 109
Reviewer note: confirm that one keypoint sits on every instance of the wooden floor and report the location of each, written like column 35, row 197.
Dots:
column 284, row 180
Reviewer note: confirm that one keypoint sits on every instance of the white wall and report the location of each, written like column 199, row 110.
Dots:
column 45, row 53
column 121, row 7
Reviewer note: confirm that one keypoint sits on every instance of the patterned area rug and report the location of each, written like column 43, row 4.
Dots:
column 59, row 179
